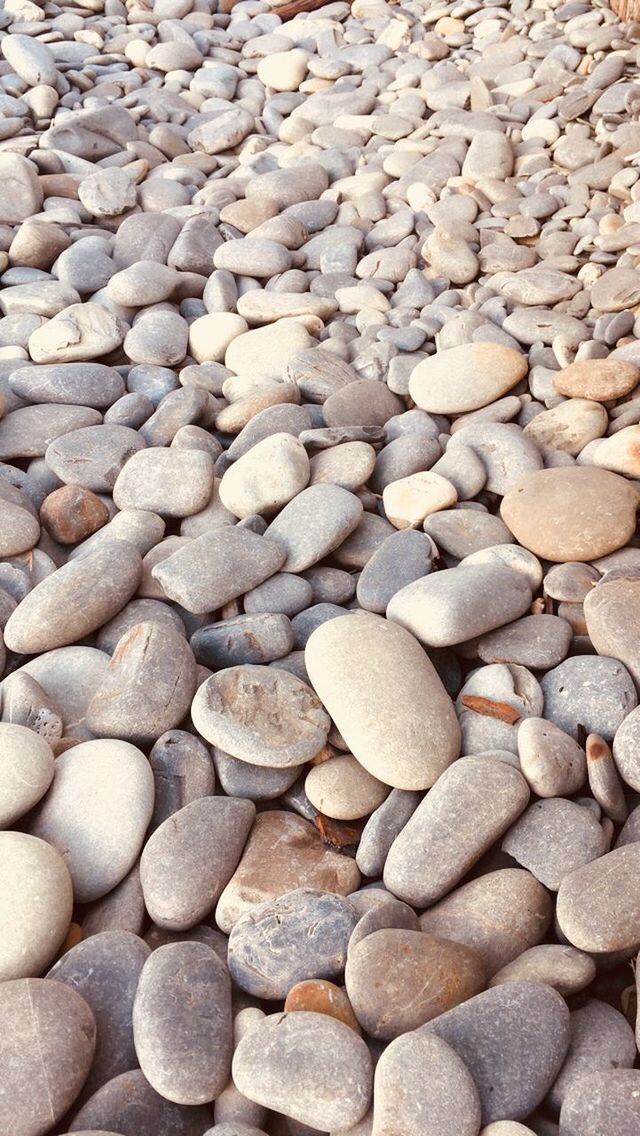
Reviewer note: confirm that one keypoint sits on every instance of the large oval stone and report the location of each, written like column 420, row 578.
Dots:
column 36, row 902
column 513, row 1040
column 469, row 807
column 571, row 512
column 48, row 1037
column 387, row 983
column 191, row 857
column 262, row 715
column 105, row 970
column 385, row 697
column 182, row 1023
column 599, row 904
column 466, row 377
column 75, row 600
column 423, row 1088
column 611, row 612
column 301, row 935
column 307, row 1066
column 96, row 813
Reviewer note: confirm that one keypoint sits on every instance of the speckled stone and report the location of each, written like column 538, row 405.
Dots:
column 313, row 524
column 128, row 1105
column 36, row 903
column 300, row 935
column 596, row 693
column 423, row 1087
column 606, row 1104
column 565, row 968
column 554, row 837
column 601, row 1040
column 598, row 904
column 26, row 770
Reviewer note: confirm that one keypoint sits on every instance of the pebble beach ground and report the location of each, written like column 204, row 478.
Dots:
column 319, row 574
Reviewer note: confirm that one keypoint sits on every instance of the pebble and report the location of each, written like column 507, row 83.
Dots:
column 423, row 1086
column 36, row 905
column 314, row 524
column 128, row 1104
column 301, row 935
column 601, row 1040
column 466, row 378
column 528, row 1024
column 307, row 1066
column 470, row 806
column 596, row 908
column 217, row 567
column 27, row 767
column 553, row 838
column 49, row 1037
column 607, row 1104
column 96, row 813
column 182, row 1023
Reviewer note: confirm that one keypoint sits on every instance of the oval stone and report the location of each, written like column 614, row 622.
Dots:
column 104, row 969
column 465, row 378
column 313, row 524
column 513, row 1040
column 601, row 1040
column 571, row 512
column 386, row 699
column 96, row 813
column 603, row 1104
column 36, row 903
column 92, row 457
column 262, row 715
column 48, row 1038
column 75, row 600
column 26, row 771
column 182, row 1023
column 611, row 612
column 422, row 1087
column 307, row 1066
column 399, row 979
column 599, row 904
column 562, row 967
column 191, row 857
column 469, row 807
column 129, row 1106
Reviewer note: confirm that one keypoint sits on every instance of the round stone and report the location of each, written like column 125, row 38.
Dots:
column 598, row 904
column 306, row 1066
column 129, row 1106
column 262, row 715
column 264, row 479
column 301, row 935
column 605, row 1104
column 48, row 1036
column 386, row 699
column 423, row 1087
column 571, row 513
column 36, row 902
column 599, row 379
column 343, row 789
column 71, row 514
column 96, row 813
column 26, row 771
column 554, row 837
column 182, row 1023
column 385, row 980
column 465, row 378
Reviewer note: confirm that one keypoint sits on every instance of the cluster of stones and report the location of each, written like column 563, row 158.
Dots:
column 319, row 574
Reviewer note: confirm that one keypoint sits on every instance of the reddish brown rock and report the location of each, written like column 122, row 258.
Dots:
column 72, row 513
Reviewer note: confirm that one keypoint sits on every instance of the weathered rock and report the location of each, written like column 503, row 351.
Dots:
column 36, row 902
column 598, row 908
column 313, row 524
column 601, row 1040
column 423, row 1088
column 606, row 1104
column 26, row 770
column 129, row 1105
column 218, row 567
column 553, row 838
column 465, row 378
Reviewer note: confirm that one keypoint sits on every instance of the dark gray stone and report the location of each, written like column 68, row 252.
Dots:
column 182, row 771
column 243, row 639
column 401, row 559
column 128, row 1105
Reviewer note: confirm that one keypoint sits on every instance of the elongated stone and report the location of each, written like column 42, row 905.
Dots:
column 218, row 567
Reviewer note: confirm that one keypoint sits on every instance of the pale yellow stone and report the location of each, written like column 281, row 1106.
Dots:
column 410, row 500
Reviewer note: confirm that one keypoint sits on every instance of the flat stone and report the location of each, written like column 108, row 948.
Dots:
column 243, row 639
column 28, row 431
column 104, row 969
column 81, row 384
column 528, row 1026
column 69, row 676
column 267, row 350
column 283, row 853
column 607, row 1104
column 262, row 715
column 423, row 1087
column 36, row 905
column 267, row 477
column 569, row 427
column 598, row 908
column 182, row 1023
column 385, row 980
column 301, row 935
column 26, row 771
column 601, row 1040
column 313, row 524
column 93, row 456
column 341, row 661
column 562, row 967
column 190, row 858
column 96, row 813
column 500, row 914
column 470, row 806
column 21, row 192
column 576, row 513
column 251, row 256
column 79, row 332
column 554, row 837
column 128, row 1105
column 148, row 688
column 223, row 132
column 49, row 1037
column 75, row 600
column 590, row 691
column 449, row 607
column 217, row 567
column 465, row 378
column 307, row 1066
column 172, row 482
column 506, row 452
column 535, row 641
column 599, row 379
column 285, row 593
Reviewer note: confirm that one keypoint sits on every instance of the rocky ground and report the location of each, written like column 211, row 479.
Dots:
column 319, row 574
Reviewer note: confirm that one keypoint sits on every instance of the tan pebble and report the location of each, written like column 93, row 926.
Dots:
column 343, row 789
column 408, row 501
column 604, row 781
column 599, row 379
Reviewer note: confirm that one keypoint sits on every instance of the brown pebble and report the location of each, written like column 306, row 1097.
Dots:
column 72, row 513
column 604, row 782
column 322, row 997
